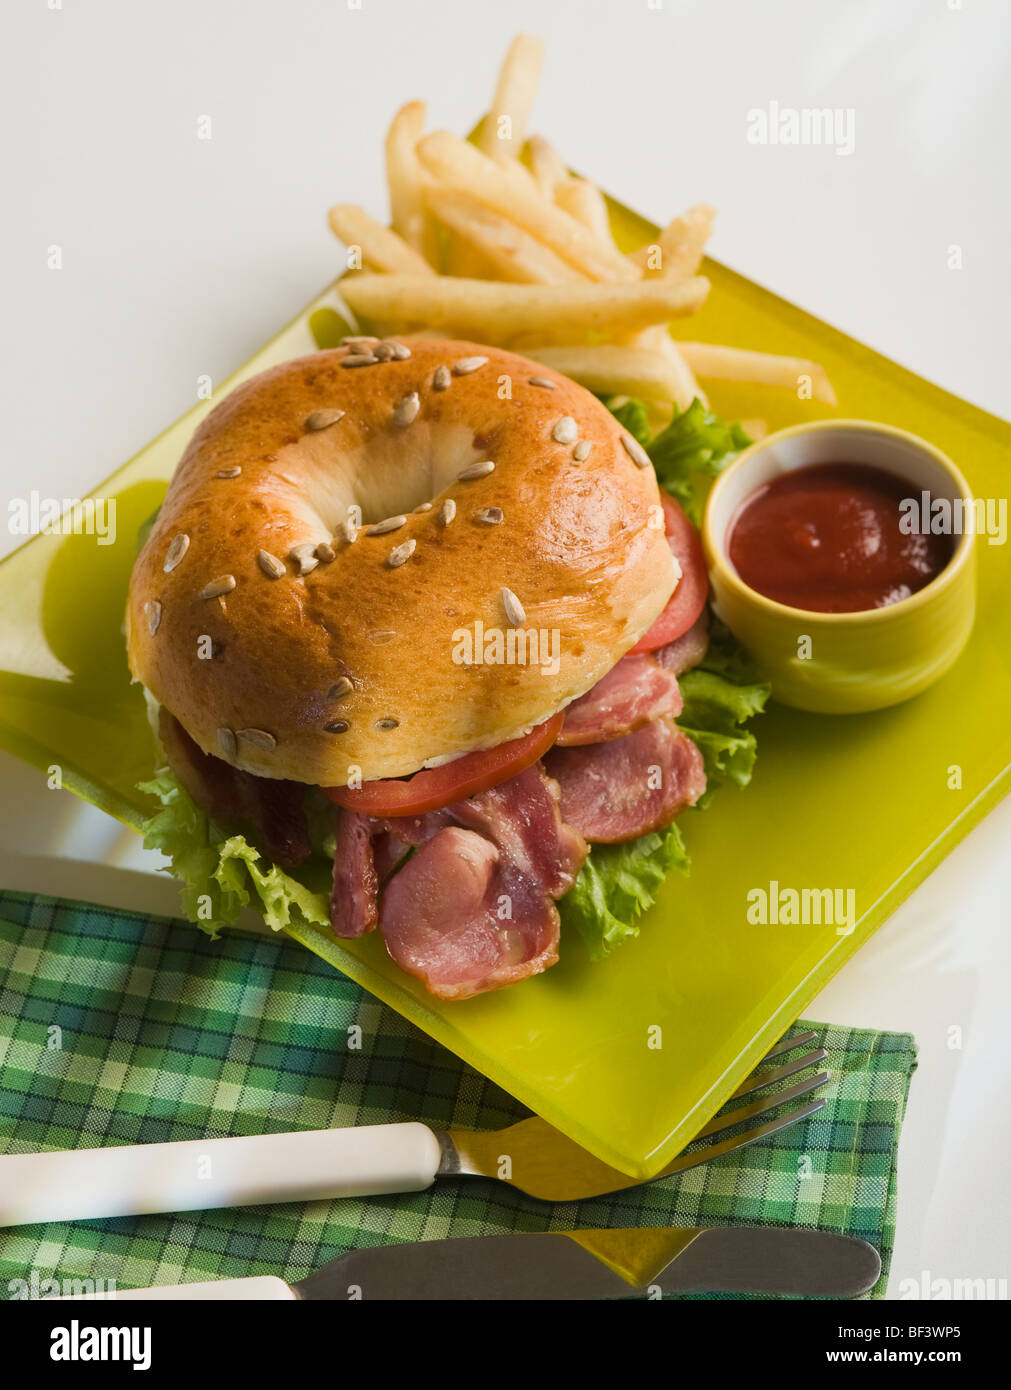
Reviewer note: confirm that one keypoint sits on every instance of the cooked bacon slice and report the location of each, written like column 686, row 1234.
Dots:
column 389, row 851
column 473, row 909
column 210, row 781
column 276, row 808
column 632, row 694
column 522, row 818
column 619, row 790
column 687, row 650
column 462, row 924
column 415, row 830
column 354, row 908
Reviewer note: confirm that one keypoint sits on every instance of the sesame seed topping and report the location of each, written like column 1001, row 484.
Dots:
column 387, row 723
column 514, row 610
column 259, row 738
column 322, row 419
column 582, row 450
column 349, row 530
column 152, row 611
column 358, row 342
column 336, row 726
column 340, row 689
column 380, row 639
column 272, row 567
column 635, row 451
column 232, row 472
column 489, row 516
column 383, row 528
column 304, row 555
column 465, row 365
column 447, row 511
column 542, row 381
column 425, row 507
column 224, row 584
column 227, row 743
column 359, row 359
column 325, row 552
column 400, row 554
column 407, row 410
column 441, row 379
column 176, row 551
column 476, row 470
column 401, row 351
column 384, row 351
column 566, row 431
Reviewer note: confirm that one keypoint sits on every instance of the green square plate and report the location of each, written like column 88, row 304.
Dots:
column 629, row 1057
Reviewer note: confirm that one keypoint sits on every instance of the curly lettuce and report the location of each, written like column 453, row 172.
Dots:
column 220, row 874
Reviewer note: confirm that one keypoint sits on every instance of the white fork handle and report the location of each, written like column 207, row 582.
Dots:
column 200, row 1174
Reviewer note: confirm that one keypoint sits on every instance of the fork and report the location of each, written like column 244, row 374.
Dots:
column 545, row 1164
column 312, row 1165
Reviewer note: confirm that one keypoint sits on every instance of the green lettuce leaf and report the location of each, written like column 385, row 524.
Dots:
column 220, row 874
column 694, row 448
column 720, row 695
column 617, row 884
column 632, row 416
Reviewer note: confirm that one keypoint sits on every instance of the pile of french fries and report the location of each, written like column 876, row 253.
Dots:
column 498, row 242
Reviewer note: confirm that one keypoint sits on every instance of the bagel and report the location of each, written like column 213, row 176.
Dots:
column 295, row 647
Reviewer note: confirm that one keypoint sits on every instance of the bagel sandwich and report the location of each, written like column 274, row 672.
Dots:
column 427, row 651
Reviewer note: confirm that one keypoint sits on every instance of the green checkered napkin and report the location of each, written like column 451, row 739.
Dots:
column 167, row 1035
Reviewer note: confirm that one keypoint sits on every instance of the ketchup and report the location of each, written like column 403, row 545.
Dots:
column 827, row 538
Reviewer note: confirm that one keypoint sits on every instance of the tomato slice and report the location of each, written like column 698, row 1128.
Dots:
column 689, row 598
column 435, row 787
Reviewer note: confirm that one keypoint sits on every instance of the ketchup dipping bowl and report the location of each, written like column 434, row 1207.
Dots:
column 848, row 662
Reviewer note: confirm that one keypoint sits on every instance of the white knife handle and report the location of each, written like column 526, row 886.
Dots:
column 201, row 1174
column 259, row 1286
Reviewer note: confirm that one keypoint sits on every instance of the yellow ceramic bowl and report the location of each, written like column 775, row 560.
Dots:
column 845, row 663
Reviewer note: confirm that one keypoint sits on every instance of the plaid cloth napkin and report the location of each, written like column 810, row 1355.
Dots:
column 121, row 1030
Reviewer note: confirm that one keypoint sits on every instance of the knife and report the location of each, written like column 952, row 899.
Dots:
column 644, row 1262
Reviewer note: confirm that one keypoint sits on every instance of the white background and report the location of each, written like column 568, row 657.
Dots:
column 181, row 256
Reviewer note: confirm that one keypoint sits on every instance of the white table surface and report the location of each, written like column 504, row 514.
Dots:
column 181, row 256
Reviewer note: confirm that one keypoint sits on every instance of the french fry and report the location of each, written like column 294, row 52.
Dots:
column 405, row 179
column 584, row 201
column 493, row 311
column 505, row 125
column 685, row 387
column 677, row 251
column 715, row 363
column 509, row 190
column 614, row 370
column 546, row 165
column 755, row 429
column 512, row 253
column 381, row 248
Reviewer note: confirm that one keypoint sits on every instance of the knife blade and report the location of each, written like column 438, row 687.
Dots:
column 595, row 1264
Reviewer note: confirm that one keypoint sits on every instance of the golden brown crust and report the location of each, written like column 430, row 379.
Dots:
column 578, row 544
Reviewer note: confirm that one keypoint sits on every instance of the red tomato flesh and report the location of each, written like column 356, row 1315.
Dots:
column 435, row 787
column 689, row 598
